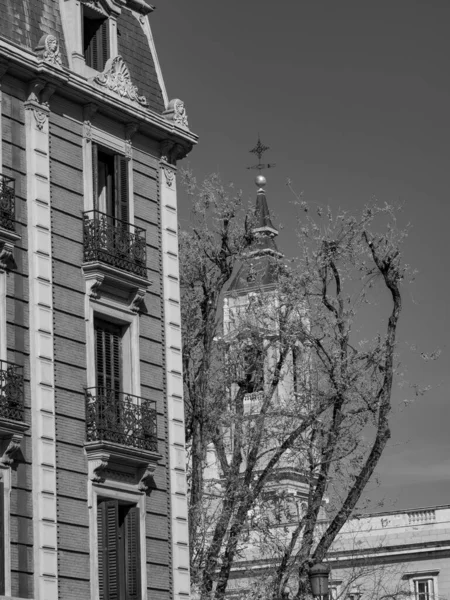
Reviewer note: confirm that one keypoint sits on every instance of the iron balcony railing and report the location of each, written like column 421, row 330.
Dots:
column 121, row 418
column 7, row 203
column 11, row 391
column 114, row 242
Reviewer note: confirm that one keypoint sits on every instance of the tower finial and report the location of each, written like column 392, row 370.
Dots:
column 259, row 150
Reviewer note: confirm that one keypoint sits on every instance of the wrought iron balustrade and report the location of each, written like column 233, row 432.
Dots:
column 7, row 203
column 11, row 391
column 114, row 242
column 121, row 418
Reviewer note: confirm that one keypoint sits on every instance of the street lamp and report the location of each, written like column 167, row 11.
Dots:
column 318, row 578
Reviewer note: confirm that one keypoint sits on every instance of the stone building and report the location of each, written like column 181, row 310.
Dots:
column 92, row 490
column 396, row 555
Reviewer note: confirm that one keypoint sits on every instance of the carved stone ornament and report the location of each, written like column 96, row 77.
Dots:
column 96, row 282
column 170, row 176
column 116, row 78
column 97, row 469
column 89, row 111
column 7, row 262
column 130, row 130
column 138, row 302
column 147, row 477
column 172, row 151
column 40, row 118
column 176, row 112
column 48, row 50
column 10, row 448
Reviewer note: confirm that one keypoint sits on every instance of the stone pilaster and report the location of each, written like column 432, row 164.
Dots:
column 174, row 378
column 41, row 342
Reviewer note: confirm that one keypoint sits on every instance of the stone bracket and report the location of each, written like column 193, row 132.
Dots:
column 113, row 462
column 11, row 434
column 7, row 242
column 128, row 288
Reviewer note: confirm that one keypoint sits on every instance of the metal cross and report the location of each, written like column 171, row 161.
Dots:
column 259, row 150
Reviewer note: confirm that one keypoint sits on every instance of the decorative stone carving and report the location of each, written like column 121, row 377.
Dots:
column 7, row 262
column 176, row 112
column 147, row 477
column 138, row 302
column 110, row 461
column 48, row 50
column 172, row 151
column 96, row 283
column 116, row 78
column 97, row 468
column 40, row 118
column 89, row 111
column 10, row 447
column 170, row 176
column 130, row 131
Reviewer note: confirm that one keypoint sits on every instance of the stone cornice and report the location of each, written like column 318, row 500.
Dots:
column 25, row 65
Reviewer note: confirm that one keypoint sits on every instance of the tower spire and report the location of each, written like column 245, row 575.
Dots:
column 257, row 269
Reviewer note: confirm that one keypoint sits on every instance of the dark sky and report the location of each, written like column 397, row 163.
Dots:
column 353, row 99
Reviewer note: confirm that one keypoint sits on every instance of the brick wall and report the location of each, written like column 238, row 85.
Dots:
column 14, row 165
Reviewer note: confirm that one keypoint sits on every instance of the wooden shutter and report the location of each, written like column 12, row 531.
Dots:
column 108, row 342
column 95, row 175
column 103, row 45
column 122, row 190
column 108, row 549
column 2, row 538
column 132, row 554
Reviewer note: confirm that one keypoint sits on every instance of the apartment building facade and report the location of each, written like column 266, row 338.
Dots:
column 92, row 470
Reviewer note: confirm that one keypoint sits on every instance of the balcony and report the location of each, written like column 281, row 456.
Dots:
column 8, row 235
column 7, row 203
column 115, row 257
column 12, row 425
column 121, row 435
column 114, row 242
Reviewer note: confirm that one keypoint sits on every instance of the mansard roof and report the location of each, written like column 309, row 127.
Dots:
column 25, row 22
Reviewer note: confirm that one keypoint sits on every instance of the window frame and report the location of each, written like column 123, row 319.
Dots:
column 123, row 493
column 102, row 310
column 431, row 593
column 417, row 576
column 89, row 15
column 109, row 144
column 5, row 507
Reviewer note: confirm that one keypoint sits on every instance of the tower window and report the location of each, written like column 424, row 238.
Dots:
column 96, row 45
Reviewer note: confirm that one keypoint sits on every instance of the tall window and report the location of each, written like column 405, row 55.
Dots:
column 253, row 360
column 95, row 39
column 108, row 355
column 110, row 183
column 118, row 550
column 423, row 589
column 2, row 538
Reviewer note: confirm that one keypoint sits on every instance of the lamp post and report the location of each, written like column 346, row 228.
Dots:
column 318, row 578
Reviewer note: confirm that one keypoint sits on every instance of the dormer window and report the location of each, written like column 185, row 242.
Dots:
column 96, row 42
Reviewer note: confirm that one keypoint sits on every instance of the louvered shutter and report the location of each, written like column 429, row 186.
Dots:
column 108, row 549
column 103, row 49
column 122, row 190
column 132, row 554
column 95, row 175
column 2, row 538
column 108, row 342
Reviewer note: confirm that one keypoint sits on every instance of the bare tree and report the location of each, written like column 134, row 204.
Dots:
column 290, row 386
